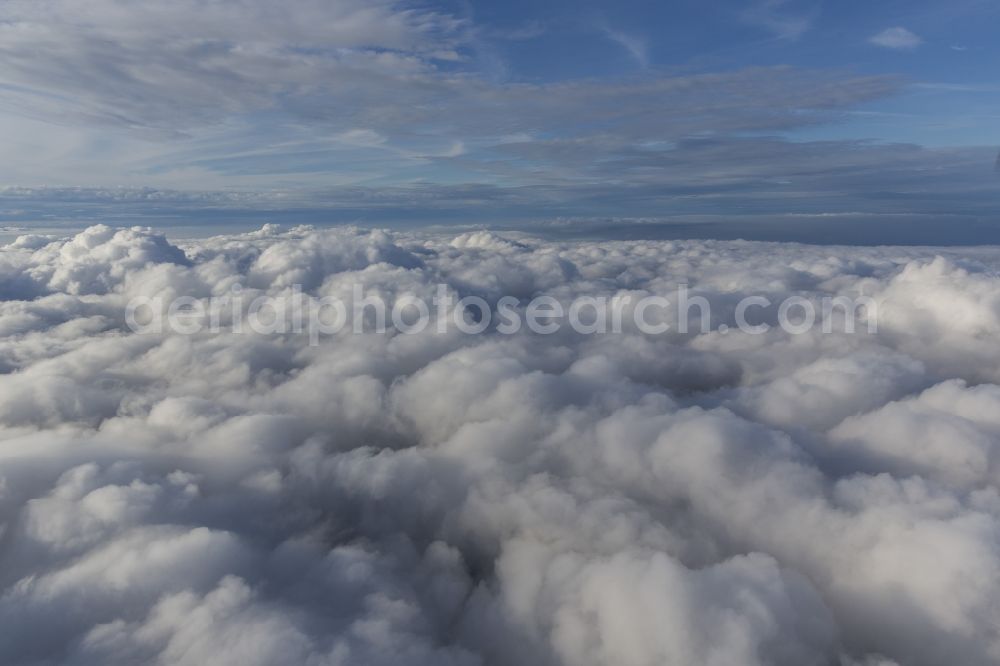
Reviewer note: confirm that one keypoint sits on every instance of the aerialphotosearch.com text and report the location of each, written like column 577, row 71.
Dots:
column 370, row 311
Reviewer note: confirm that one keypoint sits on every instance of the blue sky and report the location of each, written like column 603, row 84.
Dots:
column 547, row 115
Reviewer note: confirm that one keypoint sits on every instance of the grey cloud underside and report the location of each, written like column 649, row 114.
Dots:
column 448, row 499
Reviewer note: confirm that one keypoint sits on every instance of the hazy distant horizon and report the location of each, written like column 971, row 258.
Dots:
column 848, row 230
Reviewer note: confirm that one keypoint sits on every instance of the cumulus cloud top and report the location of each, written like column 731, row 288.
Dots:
column 627, row 499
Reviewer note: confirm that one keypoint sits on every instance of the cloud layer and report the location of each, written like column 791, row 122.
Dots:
column 624, row 499
column 396, row 111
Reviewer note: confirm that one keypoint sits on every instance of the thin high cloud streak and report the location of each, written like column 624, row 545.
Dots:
column 786, row 19
column 897, row 38
column 569, row 499
column 170, row 67
column 415, row 120
column 758, row 188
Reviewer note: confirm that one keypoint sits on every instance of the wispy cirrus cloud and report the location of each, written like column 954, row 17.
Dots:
column 785, row 19
column 355, row 114
column 170, row 65
column 837, row 191
column 356, row 100
column 634, row 45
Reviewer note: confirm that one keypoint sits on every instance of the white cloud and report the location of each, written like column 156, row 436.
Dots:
column 568, row 499
column 896, row 38
column 234, row 93
column 168, row 65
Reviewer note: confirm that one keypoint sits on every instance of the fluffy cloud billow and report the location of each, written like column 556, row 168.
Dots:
column 709, row 497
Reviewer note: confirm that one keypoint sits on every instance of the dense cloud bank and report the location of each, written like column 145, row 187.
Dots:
column 630, row 499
